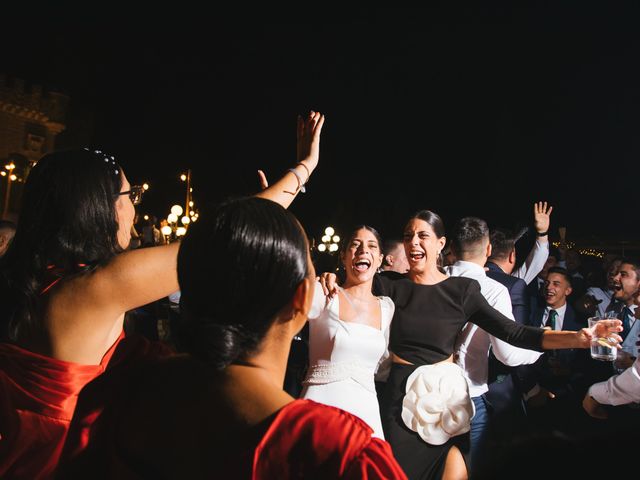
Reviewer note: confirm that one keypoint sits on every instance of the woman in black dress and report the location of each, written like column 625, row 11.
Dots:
column 431, row 309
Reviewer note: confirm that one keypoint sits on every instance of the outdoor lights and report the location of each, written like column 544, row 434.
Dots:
column 177, row 210
column 330, row 241
column 145, row 186
column 172, row 218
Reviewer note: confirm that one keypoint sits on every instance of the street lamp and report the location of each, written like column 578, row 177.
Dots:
column 186, row 177
column 176, row 210
column 166, row 231
column 11, row 177
column 330, row 241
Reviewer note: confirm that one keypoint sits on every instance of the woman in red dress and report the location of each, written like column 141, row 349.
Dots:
column 247, row 281
column 65, row 285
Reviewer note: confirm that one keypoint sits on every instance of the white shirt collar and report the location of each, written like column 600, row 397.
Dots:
column 560, row 310
column 467, row 269
column 559, row 319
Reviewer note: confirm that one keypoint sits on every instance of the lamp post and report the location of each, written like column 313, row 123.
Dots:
column 173, row 229
column 186, row 177
column 11, row 177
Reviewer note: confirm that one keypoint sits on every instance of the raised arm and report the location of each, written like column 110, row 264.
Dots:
column 540, row 252
column 308, row 152
column 139, row 277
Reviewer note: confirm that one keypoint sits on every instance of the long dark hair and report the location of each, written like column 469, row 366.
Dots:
column 67, row 221
column 237, row 267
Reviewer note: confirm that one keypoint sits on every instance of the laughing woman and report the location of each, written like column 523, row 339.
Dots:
column 349, row 334
column 427, row 410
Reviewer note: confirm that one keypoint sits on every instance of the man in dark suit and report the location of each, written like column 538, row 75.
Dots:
column 505, row 395
column 556, row 383
column 500, row 266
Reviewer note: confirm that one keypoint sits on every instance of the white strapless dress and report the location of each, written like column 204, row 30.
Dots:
column 343, row 359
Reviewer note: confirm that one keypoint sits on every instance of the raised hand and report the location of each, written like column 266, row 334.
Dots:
column 284, row 190
column 542, row 216
column 308, row 138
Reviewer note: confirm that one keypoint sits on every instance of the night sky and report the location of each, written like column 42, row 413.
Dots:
column 469, row 111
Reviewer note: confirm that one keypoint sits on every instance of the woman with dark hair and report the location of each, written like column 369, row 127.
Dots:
column 426, row 409
column 349, row 334
column 66, row 283
column 247, row 285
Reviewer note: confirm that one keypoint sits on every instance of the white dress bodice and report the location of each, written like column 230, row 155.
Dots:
column 344, row 357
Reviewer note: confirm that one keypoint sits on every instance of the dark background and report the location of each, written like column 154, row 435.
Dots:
column 462, row 110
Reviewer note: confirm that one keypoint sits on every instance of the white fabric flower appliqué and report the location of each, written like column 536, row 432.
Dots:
column 437, row 405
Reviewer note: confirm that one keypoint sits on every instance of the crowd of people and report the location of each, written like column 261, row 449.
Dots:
column 419, row 364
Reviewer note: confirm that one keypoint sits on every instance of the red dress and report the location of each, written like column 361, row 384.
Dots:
column 310, row 440
column 164, row 421
column 38, row 396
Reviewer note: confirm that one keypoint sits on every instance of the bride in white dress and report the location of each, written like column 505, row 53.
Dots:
column 349, row 335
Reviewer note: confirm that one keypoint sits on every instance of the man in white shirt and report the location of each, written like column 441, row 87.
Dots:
column 622, row 389
column 471, row 246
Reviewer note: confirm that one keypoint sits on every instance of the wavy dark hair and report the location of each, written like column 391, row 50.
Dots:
column 237, row 267
column 67, row 220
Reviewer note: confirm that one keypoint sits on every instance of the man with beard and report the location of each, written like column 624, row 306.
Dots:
column 626, row 282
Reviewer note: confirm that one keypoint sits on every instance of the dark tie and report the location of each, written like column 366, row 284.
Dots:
column 626, row 314
column 551, row 320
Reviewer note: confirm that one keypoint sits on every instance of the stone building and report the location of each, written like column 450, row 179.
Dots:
column 30, row 120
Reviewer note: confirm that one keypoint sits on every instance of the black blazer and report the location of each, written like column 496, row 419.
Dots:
column 517, row 291
column 570, row 362
column 505, row 393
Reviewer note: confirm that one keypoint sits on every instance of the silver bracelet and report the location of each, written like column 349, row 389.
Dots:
column 300, row 183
